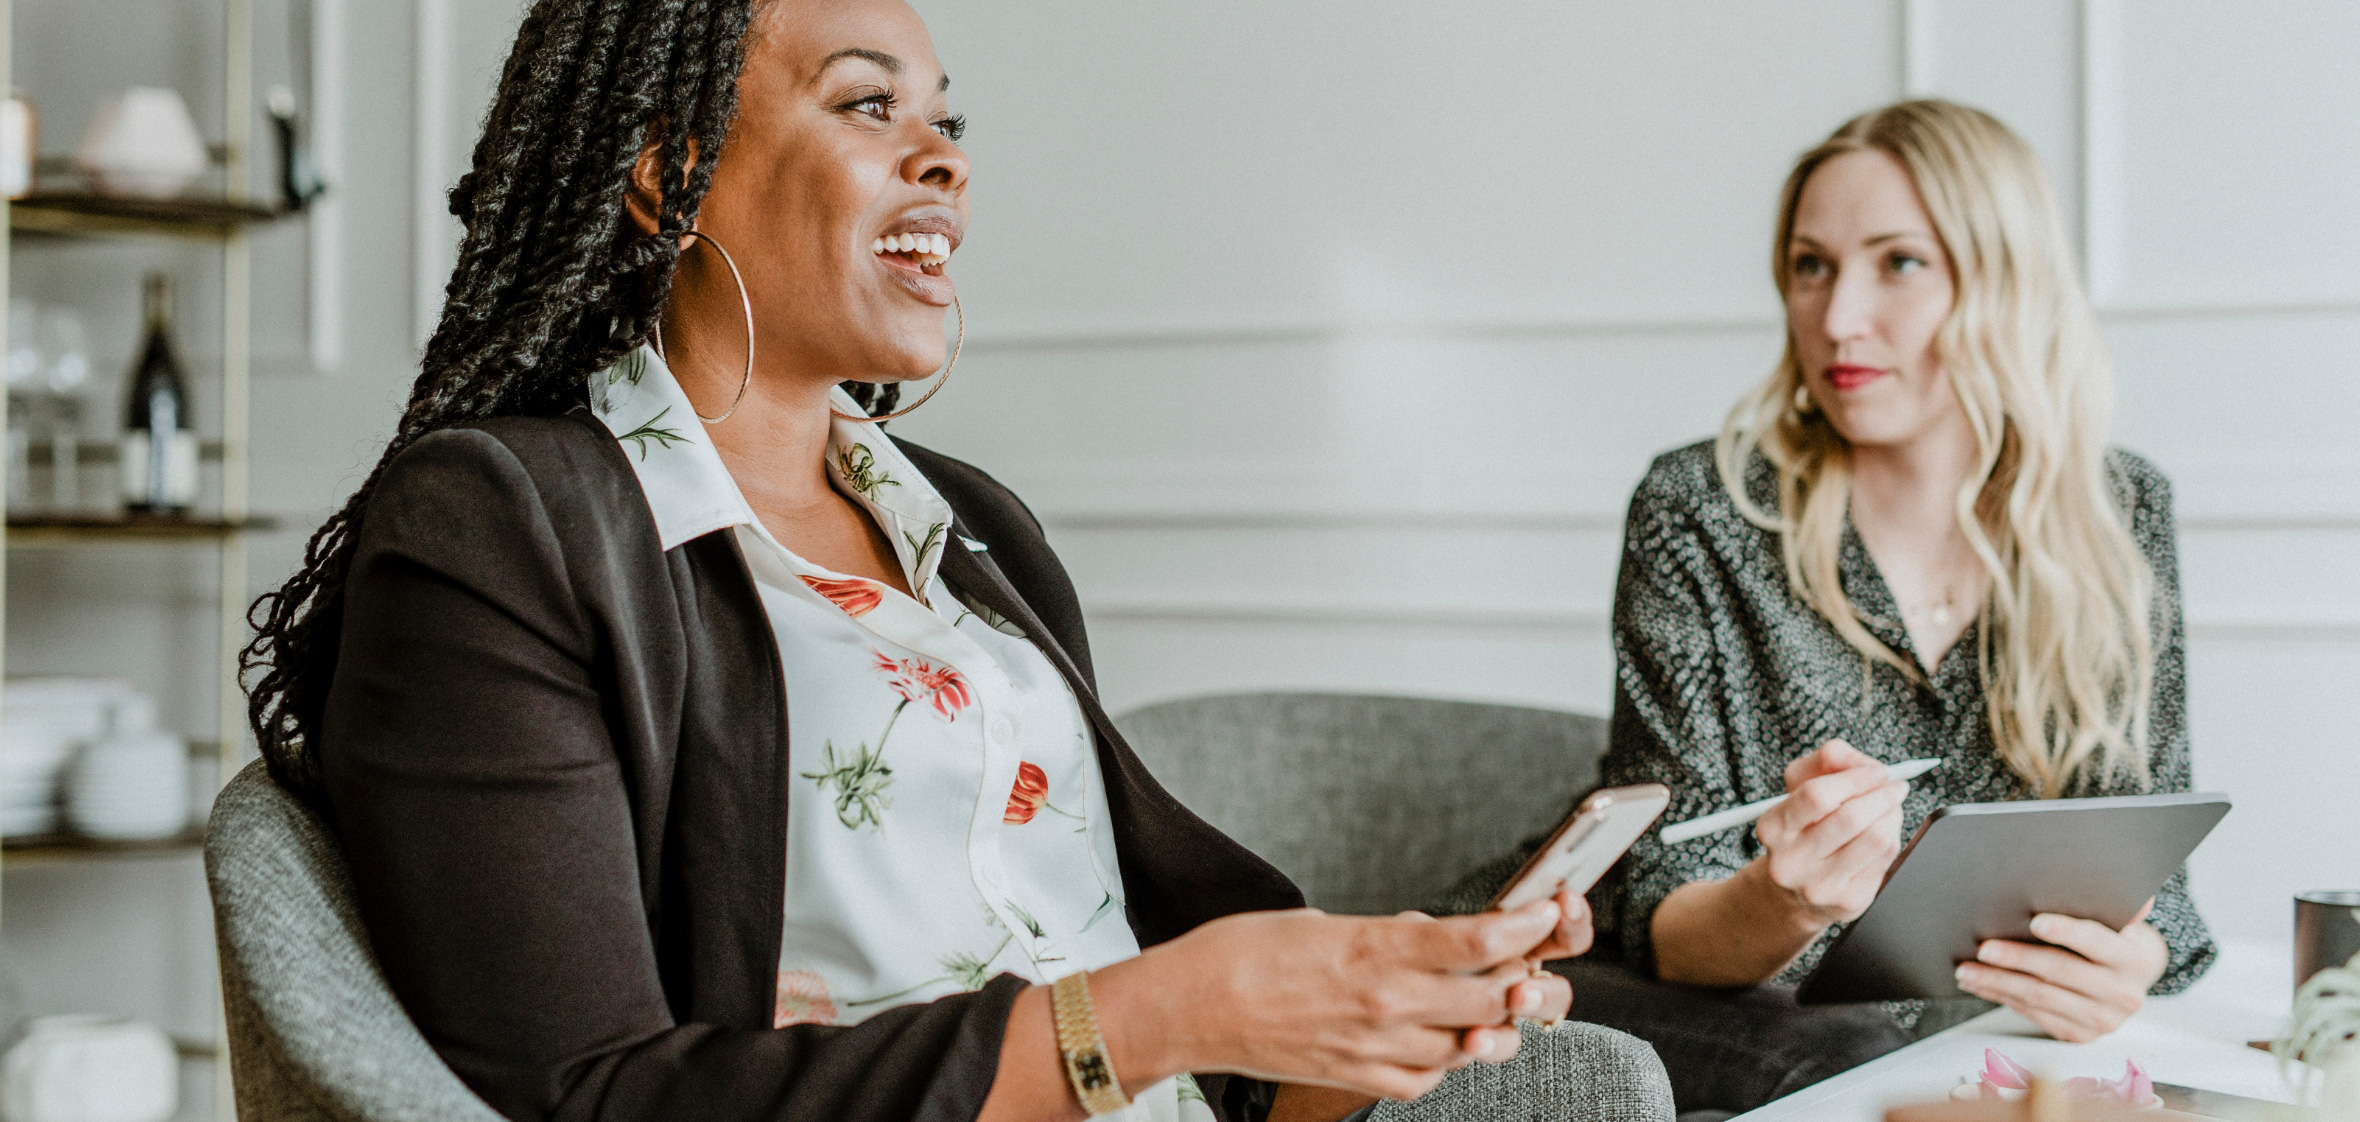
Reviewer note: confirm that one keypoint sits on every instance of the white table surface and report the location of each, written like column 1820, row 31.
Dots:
column 2195, row 1039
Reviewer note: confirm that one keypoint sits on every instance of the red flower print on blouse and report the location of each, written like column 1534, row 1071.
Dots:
column 802, row 1000
column 856, row 597
column 1030, row 794
column 915, row 679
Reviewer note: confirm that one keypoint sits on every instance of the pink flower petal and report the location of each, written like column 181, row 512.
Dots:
column 2000, row 1071
column 2135, row 1088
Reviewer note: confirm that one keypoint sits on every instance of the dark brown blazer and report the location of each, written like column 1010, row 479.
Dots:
column 556, row 755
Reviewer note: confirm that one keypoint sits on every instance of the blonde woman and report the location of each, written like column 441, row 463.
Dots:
column 1911, row 540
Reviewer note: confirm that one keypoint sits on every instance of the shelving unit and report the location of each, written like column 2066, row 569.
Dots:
column 70, row 214
column 50, row 533
column 224, row 222
column 52, row 848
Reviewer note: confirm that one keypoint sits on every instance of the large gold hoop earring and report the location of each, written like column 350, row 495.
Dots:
column 939, row 379
column 744, row 299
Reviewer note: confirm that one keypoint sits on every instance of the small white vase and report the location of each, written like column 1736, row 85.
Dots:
column 131, row 784
column 90, row 1069
column 142, row 143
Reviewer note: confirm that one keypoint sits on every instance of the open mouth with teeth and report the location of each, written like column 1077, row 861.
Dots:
column 923, row 252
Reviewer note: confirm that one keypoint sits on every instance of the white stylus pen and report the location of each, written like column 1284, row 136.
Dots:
column 1694, row 828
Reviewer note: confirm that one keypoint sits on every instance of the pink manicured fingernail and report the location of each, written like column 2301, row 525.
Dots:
column 1988, row 952
column 2044, row 925
column 1529, row 1002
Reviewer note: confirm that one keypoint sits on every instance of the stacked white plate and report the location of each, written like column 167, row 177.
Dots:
column 42, row 722
column 32, row 758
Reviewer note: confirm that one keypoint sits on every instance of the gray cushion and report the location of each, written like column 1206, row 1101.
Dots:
column 1372, row 804
column 1579, row 1073
column 314, row 1031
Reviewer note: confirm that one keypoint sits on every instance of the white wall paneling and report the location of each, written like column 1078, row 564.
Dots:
column 1332, row 367
column 1328, row 338
column 460, row 47
column 2239, row 153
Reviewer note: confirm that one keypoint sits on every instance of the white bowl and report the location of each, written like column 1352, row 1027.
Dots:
column 142, row 143
column 149, row 824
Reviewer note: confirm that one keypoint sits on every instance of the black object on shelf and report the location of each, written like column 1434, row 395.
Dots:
column 159, row 462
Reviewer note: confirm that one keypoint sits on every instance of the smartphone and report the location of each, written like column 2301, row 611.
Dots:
column 1586, row 844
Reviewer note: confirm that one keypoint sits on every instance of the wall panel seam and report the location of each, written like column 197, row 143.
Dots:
column 429, row 138
column 2200, row 628
column 1116, row 335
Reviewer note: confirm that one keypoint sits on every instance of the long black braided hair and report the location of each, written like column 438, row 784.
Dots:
column 553, row 281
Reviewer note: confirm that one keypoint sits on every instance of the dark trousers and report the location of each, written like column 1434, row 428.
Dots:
column 1729, row 1051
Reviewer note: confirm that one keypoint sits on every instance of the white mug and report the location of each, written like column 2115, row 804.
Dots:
column 89, row 1068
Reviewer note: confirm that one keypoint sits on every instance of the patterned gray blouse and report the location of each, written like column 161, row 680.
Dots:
column 1723, row 676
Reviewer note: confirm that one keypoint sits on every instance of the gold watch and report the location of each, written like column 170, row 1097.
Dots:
column 1083, row 1047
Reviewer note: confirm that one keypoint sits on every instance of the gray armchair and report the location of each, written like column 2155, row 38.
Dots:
column 315, row 1034
column 1376, row 804
column 1372, row 804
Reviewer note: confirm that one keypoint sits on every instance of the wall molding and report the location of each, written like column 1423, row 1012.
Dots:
column 1216, row 521
column 1344, row 615
column 431, row 257
column 2101, row 146
column 1147, row 520
column 1114, row 334
column 2201, row 628
column 1916, row 49
column 324, row 222
column 1143, row 334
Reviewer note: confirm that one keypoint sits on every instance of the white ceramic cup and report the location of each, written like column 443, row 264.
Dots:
column 142, row 143
column 90, row 1069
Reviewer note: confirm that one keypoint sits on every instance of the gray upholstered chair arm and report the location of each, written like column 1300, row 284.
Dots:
column 1579, row 1073
column 314, row 1031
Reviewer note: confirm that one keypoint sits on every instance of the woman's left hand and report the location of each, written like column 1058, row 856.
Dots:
column 2078, row 990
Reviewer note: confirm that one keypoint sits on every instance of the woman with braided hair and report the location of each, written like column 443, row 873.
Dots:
column 700, row 751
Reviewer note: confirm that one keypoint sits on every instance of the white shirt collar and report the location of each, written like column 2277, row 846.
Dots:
column 691, row 493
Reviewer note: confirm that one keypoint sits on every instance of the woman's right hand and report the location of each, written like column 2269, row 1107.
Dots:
column 1831, row 842
column 1382, row 1006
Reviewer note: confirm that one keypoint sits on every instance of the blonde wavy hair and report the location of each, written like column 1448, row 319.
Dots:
column 2066, row 650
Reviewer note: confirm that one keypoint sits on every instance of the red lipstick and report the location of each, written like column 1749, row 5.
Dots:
column 1847, row 377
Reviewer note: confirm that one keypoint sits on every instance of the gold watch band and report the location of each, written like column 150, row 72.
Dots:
column 1087, row 1065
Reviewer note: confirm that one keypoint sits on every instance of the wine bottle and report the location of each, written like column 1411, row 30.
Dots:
column 159, row 451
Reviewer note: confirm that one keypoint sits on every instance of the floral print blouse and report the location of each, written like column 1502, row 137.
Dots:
column 947, row 822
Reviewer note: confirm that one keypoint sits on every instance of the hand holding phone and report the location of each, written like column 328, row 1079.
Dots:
column 1586, row 844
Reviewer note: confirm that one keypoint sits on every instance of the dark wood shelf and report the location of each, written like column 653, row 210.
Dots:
column 48, row 848
column 37, row 532
column 82, row 214
column 108, row 452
